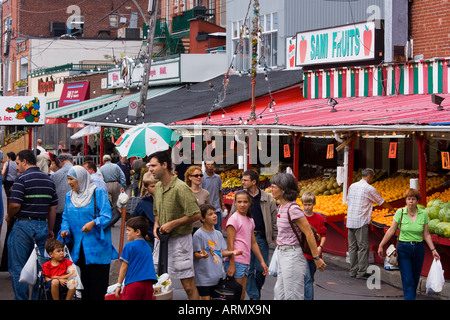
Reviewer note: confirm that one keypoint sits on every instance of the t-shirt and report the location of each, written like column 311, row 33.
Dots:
column 244, row 227
column 208, row 271
column 138, row 255
column 50, row 270
column 213, row 184
column 411, row 231
column 316, row 220
column 174, row 202
column 286, row 236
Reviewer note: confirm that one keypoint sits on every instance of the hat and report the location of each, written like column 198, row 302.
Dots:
column 106, row 157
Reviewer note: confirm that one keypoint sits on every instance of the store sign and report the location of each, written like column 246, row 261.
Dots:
column 46, row 85
column 353, row 42
column 74, row 92
column 22, row 110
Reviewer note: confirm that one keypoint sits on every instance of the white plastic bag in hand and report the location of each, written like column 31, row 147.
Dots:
column 273, row 266
column 435, row 279
column 28, row 274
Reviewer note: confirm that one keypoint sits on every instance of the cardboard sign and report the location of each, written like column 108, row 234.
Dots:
column 287, row 151
column 330, row 151
column 445, row 160
column 393, row 150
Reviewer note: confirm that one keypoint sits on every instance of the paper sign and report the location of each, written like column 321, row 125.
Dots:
column 193, row 145
column 232, row 145
column 445, row 160
column 259, row 146
column 287, row 151
column 393, row 150
column 330, row 151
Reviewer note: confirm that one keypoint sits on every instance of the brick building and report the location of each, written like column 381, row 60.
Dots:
column 430, row 28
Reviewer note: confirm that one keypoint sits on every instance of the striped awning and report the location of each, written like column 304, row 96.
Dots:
column 63, row 114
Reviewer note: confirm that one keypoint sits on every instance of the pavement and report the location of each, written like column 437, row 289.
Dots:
column 332, row 284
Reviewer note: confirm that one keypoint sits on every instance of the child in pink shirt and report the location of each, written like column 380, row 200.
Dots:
column 240, row 233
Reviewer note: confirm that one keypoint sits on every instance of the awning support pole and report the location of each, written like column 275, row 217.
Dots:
column 421, row 140
column 297, row 138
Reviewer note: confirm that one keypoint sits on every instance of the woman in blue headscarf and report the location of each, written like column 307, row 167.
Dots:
column 86, row 213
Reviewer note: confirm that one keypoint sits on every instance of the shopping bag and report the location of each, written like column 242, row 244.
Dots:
column 28, row 274
column 77, row 276
column 435, row 279
column 273, row 266
column 391, row 255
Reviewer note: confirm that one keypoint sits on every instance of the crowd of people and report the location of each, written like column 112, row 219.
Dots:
column 176, row 227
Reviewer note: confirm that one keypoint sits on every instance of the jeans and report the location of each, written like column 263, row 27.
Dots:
column 20, row 245
column 309, row 279
column 255, row 279
column 218, row 225
column 410, row 261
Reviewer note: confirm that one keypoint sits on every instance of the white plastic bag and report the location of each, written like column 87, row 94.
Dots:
column 28, row 274
column 435, row 279
column 77, row 276
column 273, row 266
column 122, row 200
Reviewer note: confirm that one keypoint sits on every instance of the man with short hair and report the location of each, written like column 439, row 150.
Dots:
column 213, row 184
column 360, row 199
column 175, row 209
column 91, row 167
column 114, row 179
column 65, row 162
column 264, row 213
column 32, row 205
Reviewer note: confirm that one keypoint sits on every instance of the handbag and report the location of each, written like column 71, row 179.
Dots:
column 302, row 240
column 391, row 252
column 115, row 214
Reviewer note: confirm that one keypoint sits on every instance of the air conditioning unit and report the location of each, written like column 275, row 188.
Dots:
column 57, row 28
column 130, row 33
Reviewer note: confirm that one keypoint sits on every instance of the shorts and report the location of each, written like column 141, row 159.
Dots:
column 205, row 291
column 62, row 290
column 241, row 269
column 181, row 257
column 139, row 290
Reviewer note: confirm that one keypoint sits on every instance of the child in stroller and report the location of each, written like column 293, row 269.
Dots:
column 58, row 272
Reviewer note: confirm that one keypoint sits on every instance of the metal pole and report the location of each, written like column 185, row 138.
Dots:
column 150, row 39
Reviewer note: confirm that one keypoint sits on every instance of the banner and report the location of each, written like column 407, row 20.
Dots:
column 22, row 110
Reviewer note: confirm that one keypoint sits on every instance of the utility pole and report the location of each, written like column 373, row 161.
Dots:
column 153, row 6
column 255, row 33
column 6, row 50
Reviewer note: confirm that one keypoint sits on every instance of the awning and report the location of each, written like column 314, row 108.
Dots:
column 86, row 131
column 409, row 112
column 64, row 114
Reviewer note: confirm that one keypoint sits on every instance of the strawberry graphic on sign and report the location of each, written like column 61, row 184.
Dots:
column 367, row 41
column 291, row 53
column 303, row 48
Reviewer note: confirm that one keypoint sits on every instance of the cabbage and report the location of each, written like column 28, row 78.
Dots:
column 432, row 225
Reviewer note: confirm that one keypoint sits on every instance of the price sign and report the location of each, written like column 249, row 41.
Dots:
column 287, row 151
column 445, row 160
column 393, row 150
column 330, row 151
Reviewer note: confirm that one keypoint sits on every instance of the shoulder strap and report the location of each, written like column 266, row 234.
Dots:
column 292, row 224
column 95, row 204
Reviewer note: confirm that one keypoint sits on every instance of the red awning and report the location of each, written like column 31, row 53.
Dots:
column 354, row 111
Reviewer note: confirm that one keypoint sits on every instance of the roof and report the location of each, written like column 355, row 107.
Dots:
column 198, row 99
column 356, row 113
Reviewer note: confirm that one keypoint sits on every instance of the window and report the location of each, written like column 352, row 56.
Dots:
column 23, row 68
column 268, row 47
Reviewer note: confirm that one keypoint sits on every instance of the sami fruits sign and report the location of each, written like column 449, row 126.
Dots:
column 346, row 43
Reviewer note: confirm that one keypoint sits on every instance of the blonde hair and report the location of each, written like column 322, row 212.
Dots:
column 189, row 172
column 149, row 179
column 309, row 197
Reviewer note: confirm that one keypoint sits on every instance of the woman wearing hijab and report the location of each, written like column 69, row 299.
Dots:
column 83, row 223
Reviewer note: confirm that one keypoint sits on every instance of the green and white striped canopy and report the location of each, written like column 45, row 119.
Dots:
column 145, row 139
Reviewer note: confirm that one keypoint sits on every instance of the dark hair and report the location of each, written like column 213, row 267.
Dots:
column 204, row 209
column 11, row 155
column 162, row 156
column 91, row 165
column 239, row 192
column 254, row 176
column 52, row 244
column 288, row 183
column 27, row 155
column 139, row 223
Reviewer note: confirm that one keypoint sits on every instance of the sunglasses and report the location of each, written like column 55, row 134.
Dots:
column 197, row 175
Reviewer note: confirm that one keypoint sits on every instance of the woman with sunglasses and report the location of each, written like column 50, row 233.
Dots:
column 193, row 178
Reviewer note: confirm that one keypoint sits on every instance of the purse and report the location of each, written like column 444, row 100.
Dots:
column 115, row 214
column 391, row 252
column 302, row 240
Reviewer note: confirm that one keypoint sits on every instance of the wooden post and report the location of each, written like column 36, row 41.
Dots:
column 297, row 138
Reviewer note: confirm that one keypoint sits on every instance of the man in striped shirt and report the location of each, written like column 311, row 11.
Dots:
column 360, row 199
column 32, row 206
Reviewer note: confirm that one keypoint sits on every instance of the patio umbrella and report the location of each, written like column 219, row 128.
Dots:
column 145, row 139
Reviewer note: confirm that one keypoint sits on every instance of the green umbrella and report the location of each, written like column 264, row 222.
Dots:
column 145, row 139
